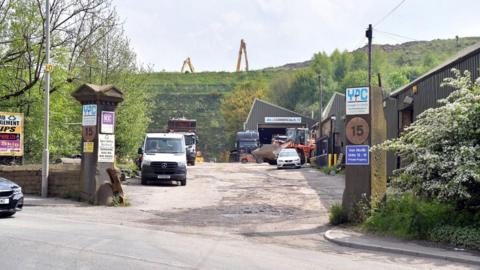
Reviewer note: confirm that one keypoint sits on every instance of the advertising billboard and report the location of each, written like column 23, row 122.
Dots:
column 11, row 134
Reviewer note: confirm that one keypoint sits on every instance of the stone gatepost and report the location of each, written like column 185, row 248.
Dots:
column 365, row 172
column 98, row 139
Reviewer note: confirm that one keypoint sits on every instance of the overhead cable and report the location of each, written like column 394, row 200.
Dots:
column 389, row 13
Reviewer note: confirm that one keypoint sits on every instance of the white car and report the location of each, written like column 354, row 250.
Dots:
column 288, row 158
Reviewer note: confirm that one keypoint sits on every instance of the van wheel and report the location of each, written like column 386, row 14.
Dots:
column 192, row 163
column 143, row 181
column 183, row 182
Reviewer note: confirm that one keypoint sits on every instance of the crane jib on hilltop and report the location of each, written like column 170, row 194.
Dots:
column 188, row 63
column 243, row 49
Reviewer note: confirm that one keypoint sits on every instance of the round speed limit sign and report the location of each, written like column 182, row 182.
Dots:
column 357, row 130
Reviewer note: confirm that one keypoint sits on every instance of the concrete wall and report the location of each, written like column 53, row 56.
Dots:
column 64, row 179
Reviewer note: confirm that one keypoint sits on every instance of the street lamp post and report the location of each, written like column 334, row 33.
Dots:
column 47, row 70
column 332, row 131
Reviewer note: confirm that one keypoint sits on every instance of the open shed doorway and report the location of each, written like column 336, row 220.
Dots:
column 266, row 133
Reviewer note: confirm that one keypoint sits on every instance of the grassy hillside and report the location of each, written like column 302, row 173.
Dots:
column 205, row 82
column 414, row 52
column 199, row 95
column 410, row 53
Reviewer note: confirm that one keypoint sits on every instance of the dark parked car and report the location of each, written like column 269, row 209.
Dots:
column 11, row 198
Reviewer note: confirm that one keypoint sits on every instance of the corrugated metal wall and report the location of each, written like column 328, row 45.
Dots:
column 338, row 109
column 428, row 93
column 391, row 115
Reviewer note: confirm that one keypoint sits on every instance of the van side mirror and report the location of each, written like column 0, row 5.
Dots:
column 140, row 151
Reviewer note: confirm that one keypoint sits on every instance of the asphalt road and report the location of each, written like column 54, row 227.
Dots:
column 229, row 216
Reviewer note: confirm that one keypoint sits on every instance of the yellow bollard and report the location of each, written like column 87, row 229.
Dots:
column 334, row 160
column 329, row 160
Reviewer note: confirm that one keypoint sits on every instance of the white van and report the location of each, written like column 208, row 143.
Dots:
column 164, row 158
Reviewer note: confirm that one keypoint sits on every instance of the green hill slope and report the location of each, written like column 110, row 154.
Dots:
column 199, row 95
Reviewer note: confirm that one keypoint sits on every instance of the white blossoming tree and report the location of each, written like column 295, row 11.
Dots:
column 443, row 148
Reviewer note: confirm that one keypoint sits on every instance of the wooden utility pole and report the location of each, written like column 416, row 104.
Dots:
column 368, row 34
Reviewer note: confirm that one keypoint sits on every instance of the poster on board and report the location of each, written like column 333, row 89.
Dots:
column 106, row 148
column 108, row 122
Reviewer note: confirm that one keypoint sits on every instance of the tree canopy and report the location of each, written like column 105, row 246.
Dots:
column 87, row 45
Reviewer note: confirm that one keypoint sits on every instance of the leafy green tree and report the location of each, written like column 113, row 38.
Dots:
column 429, row 60
column 281, row 92
column 236, row 105
column 87, row 45
column 379, row 60
column 342, row 63
column 355, row 78
column 322, row 65
column 397, row 79
column 304, row 89
column 360, row 60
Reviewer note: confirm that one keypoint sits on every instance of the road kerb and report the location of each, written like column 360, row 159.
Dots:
column 33, row 201
column 327, row 235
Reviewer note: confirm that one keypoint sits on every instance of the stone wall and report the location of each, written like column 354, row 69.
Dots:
column 63, row 181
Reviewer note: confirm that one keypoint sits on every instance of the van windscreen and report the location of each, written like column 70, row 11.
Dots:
column 164, row 145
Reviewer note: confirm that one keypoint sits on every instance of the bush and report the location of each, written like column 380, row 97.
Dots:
column 337, row 215
column 467, row 237
column 361, row 210
column 405, row 216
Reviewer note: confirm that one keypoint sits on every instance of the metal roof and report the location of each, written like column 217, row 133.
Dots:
column 337, row 99
column 465, row 53
column 261, row 109
column 276, row 106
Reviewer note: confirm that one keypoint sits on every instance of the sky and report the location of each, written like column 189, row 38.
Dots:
column 163, row 33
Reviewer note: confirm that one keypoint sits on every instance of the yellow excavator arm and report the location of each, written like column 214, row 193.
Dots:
column 242, row 50
column 188, row 63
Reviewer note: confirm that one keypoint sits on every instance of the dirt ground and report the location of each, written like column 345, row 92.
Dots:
column 249, row 200
column 233, row 200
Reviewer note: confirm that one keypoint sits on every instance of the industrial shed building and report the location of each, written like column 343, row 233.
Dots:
column 269, row 119
column 405, row 104
column 335, row 109
column 332, row 129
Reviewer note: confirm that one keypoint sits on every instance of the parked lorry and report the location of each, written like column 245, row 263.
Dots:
column 245, row 142
column 188, row 128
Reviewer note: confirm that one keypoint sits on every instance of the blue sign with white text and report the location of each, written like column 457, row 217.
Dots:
column 89, row 115
column 357, row 155
column 357, row 100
